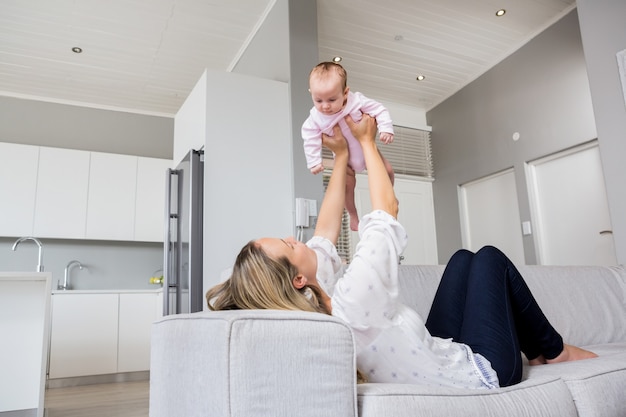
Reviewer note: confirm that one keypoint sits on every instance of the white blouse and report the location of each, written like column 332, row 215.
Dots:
column 393, row 344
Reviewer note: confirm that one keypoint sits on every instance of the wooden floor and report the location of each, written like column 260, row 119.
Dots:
column 121, row 399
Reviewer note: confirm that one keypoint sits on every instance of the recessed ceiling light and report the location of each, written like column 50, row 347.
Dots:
column 77, row 50
column 421, row 77
column 337, row 59
column 500, row 12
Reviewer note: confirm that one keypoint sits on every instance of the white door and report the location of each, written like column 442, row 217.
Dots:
column 416, row 213
column 490, row 215
column 570, row 210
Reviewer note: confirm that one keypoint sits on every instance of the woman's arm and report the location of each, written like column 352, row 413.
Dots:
column 331, row 210
column 382, row 195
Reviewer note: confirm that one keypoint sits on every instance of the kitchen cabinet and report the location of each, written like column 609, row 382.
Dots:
column 150, row 207
column 83, row 335
column 111, row 199
column 72, row 194
column 99, row 332
column 18, row 182
column 61, row 196
column 136, row 314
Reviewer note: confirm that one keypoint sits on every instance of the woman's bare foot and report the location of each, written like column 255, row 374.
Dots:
column 539, row 360
column 572, row 353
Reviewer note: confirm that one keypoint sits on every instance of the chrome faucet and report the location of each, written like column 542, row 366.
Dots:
column 66, row 279
column 38, row 242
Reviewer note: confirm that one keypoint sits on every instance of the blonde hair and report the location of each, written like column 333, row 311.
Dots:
column 325, row 69
column 260, row 282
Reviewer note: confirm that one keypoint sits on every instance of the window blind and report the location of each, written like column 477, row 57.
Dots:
column 409, row 154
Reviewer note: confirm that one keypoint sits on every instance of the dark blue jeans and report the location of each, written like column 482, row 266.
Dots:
column 484, row 302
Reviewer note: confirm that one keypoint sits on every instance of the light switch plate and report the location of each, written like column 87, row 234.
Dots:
column 526, row 228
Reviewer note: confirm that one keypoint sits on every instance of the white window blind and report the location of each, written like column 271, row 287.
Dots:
column 409, row 154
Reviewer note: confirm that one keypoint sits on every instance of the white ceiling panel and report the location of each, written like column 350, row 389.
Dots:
column 146, row 55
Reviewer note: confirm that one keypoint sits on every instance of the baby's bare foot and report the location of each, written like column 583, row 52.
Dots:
column 354, row 223
column 572, row 353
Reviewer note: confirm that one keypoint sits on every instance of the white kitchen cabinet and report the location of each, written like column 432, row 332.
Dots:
column 61, row 197
column 111, row 198
column 150, row 207
column 96, row 333
column 84, row 334
column 136, row 314
column 18, row 183
column 72, row 194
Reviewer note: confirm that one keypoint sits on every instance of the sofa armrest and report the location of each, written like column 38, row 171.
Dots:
column 252, row 363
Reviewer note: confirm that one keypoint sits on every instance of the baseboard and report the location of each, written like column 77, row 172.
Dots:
column 97, row 379
column 31, row 412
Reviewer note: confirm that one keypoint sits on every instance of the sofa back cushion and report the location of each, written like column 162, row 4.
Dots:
column 418, row 284
column 586, row 304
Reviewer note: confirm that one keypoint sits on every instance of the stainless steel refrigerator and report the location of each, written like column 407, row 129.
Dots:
column 182, row 264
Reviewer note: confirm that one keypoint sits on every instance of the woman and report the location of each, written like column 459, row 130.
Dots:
column 482, row 316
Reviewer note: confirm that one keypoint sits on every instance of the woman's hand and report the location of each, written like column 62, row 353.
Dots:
column 365, row 130
column 382, row 195
column 336, row 143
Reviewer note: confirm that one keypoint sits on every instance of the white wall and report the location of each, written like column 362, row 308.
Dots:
column 603, row 33
column 190, row 122
column 248, row 183
column 42, row 123
column 540, row 91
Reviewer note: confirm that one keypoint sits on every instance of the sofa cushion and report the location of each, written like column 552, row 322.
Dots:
column 252, row 363
column 586, row 304
column 597, row 385
column 568, row 295
column 418, row 284
column 548, row 396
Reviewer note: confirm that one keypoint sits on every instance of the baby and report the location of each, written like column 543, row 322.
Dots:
column 333, row 101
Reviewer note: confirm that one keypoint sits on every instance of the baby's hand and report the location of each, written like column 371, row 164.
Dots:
column 386, row 138
column 317, row 169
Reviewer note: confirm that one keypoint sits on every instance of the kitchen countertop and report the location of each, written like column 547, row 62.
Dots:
column 111, row 291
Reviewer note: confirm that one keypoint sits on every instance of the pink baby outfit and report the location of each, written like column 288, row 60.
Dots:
column 318, row 123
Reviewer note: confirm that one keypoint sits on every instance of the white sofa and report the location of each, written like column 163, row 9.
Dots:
column 278, row 363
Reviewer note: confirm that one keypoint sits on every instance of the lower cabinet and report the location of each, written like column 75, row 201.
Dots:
column 100, row 333
column 137, row 312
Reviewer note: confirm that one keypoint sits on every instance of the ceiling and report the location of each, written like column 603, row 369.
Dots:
column 146, row 55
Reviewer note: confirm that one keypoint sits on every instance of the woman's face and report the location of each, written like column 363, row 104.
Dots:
column 299, row 254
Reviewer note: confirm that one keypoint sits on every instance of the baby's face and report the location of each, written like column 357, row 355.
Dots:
column 327, row 94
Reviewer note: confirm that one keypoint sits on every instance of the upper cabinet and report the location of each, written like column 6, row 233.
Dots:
column 62, row 185
column 112, row 191
column 72, row 194
column 18, row 184
column 150, row 207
